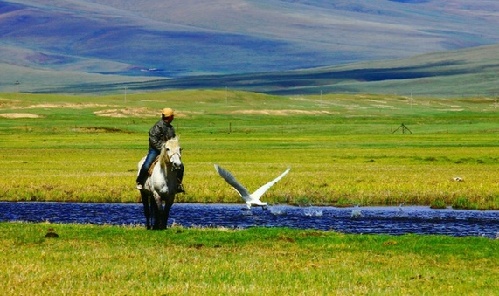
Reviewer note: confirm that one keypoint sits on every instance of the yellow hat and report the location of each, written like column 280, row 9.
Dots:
column 167, row 112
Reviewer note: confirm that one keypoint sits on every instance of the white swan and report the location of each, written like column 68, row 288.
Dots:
column 252, row 199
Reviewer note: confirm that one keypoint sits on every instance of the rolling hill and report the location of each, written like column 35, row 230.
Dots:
column 463, row 73
column 273, row 46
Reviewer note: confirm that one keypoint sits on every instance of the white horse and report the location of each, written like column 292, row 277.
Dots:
column 159, row 190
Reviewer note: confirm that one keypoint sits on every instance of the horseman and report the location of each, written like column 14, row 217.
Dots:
column 160, row 133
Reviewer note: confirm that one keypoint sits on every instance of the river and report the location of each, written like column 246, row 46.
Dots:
column 378, row 220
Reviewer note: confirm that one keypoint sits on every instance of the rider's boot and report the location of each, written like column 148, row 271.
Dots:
column 141, row 179
column 180, row 187
column 180, row 177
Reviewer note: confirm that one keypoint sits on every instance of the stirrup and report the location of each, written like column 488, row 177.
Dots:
column 180, row 188
column 139, row 186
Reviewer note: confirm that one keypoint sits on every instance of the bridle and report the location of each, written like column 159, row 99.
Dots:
column 169, row 164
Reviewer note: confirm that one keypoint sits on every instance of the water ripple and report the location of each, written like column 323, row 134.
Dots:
column 380, row 220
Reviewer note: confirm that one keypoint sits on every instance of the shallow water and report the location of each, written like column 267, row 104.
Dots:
column 381, row 220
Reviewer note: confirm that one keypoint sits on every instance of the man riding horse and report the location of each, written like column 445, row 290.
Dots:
column 160, row 133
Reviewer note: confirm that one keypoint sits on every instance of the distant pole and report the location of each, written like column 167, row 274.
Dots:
column 404, row 128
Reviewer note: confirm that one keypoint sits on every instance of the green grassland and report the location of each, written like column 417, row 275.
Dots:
column 113, row 260
column 342, row 149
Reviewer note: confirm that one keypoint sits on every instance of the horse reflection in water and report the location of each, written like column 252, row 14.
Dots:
column 160, row 188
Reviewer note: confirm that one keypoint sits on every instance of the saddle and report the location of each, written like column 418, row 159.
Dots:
column 151, row 168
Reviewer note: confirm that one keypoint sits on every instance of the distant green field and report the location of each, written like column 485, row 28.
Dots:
column 342, row 149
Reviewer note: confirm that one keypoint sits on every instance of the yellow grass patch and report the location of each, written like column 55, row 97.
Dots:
column 65, row 105
column 19, row 115
column 137, row 112
column 281, row 112
column 127, row 112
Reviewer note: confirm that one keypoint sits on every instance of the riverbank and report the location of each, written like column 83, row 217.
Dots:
column 91, row 260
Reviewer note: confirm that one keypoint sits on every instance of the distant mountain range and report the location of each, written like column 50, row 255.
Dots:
column 85, row 45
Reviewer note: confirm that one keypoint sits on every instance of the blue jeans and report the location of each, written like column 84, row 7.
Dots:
column 144, row 171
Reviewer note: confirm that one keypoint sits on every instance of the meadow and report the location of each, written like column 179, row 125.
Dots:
column 105, row 260
column 343, row 149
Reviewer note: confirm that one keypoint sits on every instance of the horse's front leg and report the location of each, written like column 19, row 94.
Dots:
column 159, row 221
column 146, row 203
column 168, row 204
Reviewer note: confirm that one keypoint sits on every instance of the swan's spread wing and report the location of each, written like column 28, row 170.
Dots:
column 233, row 182
column 260, row 191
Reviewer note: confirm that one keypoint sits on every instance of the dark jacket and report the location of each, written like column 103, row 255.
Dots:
column 160, row 133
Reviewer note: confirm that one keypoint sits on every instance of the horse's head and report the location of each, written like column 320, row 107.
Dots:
column 172, row 153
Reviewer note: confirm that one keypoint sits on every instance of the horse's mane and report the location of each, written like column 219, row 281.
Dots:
column 164, row 159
